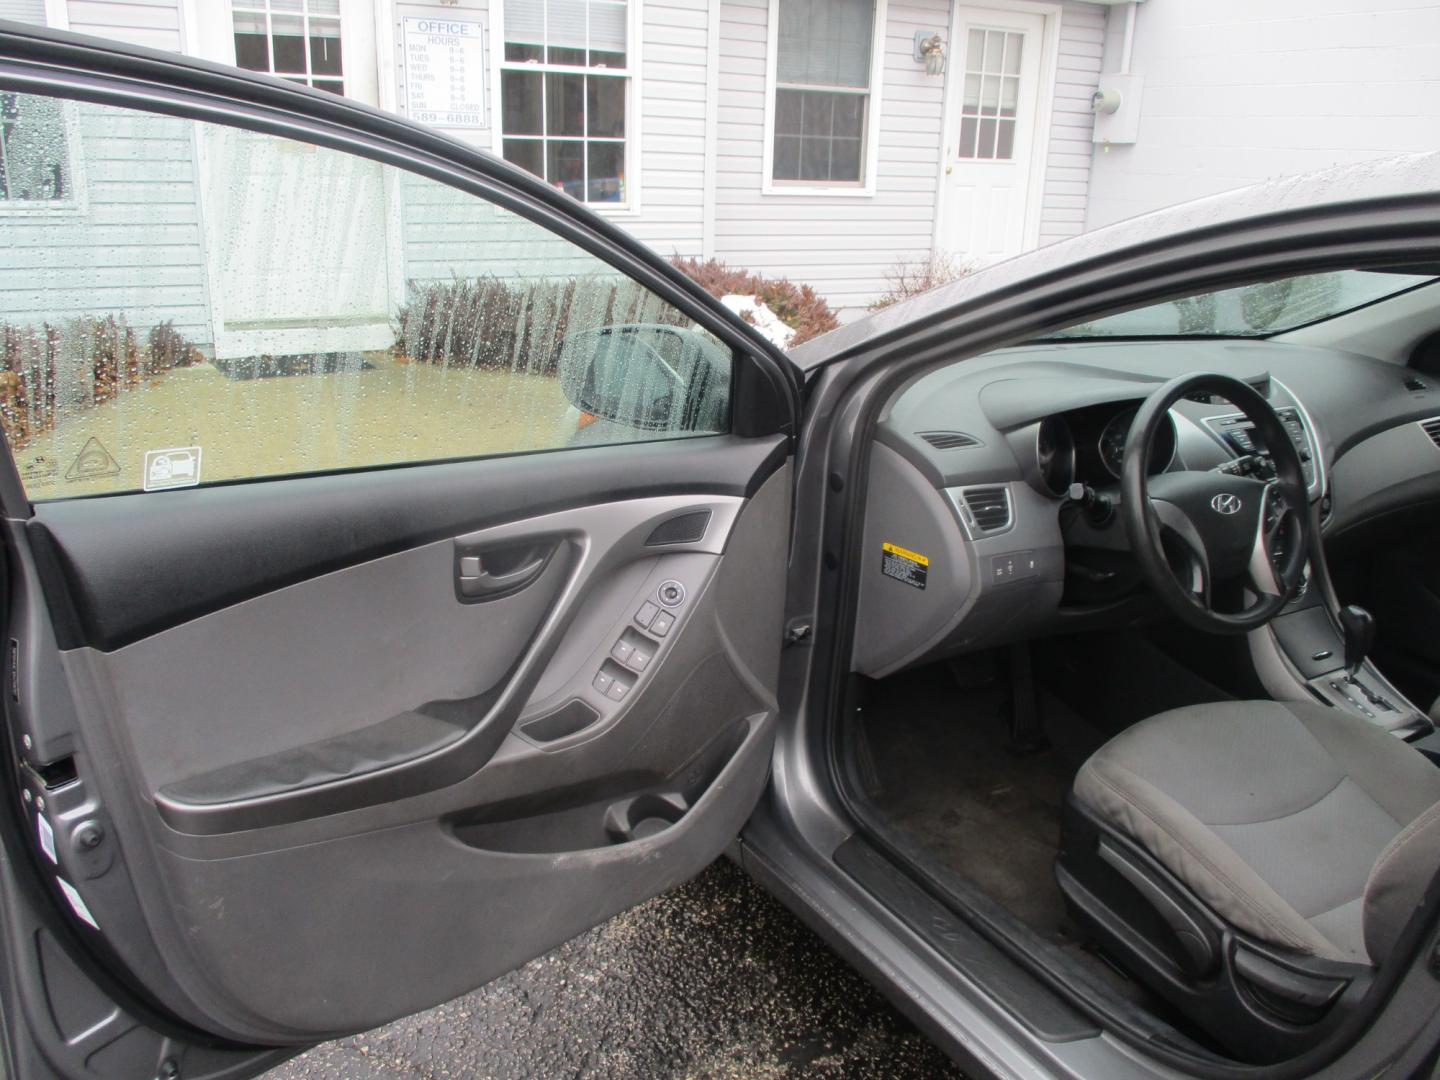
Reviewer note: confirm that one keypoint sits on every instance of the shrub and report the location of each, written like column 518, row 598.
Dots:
column 79, row 363
column 911, row 277
column 798, row 306
column 489, row 322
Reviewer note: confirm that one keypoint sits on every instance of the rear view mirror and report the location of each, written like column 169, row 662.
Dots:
column 647, row 376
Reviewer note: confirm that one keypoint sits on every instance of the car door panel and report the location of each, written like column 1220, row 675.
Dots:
column 296, row 752
column 233, row 741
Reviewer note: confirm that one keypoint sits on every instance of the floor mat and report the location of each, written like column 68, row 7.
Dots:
column 943, row 774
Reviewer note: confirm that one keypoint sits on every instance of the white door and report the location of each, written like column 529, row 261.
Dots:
column 994, row 90
column 295, row 268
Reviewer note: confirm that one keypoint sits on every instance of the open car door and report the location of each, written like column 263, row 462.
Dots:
column 349, row 665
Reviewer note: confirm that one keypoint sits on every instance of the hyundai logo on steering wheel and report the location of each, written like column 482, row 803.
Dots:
column 1225, row 503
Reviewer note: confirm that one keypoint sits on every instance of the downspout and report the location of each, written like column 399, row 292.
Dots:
column 1129, row 37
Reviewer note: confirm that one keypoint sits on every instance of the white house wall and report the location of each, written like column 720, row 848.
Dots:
column 132, row 245
column 699, row 181
column 1238, row 91
column 155, row 23
column 842, row 245
column 1067, row 168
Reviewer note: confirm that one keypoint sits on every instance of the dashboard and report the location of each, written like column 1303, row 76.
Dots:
column 1000, row 476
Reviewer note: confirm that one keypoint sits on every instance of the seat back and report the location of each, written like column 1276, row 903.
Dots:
column 1398, row 881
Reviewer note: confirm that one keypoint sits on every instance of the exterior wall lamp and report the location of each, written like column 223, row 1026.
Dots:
column 930, row 51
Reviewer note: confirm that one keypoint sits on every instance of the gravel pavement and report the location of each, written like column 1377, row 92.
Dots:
column 713, row 979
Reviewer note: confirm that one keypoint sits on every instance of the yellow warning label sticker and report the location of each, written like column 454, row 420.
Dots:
column 904, row 565
column 905, row 553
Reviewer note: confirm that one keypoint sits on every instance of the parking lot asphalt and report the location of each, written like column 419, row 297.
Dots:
column 713, row 979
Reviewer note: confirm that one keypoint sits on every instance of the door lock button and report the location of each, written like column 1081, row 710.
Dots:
column 661, row 624
column 647, row 612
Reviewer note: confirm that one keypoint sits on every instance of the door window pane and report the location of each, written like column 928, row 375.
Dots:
column 566, row 110
column 820, row 133
column 298, row 40
column 991, row 90
column 283, row 308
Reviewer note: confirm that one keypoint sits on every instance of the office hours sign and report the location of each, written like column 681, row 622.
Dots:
column 444, row 72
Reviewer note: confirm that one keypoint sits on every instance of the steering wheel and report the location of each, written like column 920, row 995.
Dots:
column 1219, row 527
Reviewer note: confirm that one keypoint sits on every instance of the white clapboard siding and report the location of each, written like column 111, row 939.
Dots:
column 130, row 245
column 672, row 127
column 1067, row 168
column 32, row 11
column 1237, row 92
column 450, row 234
column 843, row 246
column 155, row 23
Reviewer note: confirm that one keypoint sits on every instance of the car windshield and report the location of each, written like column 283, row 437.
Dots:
column 1259, row 310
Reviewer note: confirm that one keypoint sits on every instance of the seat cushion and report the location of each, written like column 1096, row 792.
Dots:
column 1273, row 813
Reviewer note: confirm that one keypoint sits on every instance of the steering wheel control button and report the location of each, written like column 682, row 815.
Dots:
column 647, row 612
column 662, row 624
column 671, row 593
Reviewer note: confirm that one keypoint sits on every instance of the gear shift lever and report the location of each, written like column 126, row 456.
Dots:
column 1358, row 626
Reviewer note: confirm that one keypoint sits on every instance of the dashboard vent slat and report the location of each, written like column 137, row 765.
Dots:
column 989, row 508
column 948, row 440
column 1431, row 427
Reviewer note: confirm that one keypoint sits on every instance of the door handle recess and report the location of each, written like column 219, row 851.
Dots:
column 489, row 575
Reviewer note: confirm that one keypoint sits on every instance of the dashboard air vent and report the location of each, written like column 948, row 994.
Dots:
column 1431, row 427
column 989, row 508
column 948, row 440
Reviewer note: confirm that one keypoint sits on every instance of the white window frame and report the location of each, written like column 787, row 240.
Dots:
column 870, row 152
column 74, row 204
column 630, row 208
column 260, row 7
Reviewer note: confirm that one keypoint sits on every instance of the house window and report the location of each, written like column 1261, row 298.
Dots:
column 564, row 94
column 992, row 91
column 34, row 152
column 822, row 90
column 298, row 40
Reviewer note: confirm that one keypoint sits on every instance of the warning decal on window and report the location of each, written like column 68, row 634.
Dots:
column 904, row 565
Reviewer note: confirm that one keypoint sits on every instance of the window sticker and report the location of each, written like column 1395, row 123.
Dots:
column 175, row 468
column 76, row 904
column 47, row 838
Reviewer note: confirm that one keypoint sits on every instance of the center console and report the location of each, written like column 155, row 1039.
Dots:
column 1328, row 660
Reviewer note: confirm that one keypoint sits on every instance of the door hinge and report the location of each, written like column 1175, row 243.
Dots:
column 796, row 631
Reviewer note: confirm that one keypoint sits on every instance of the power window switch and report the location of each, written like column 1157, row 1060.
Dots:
column 603, row 682
column 646, row 614
column 621, row 651
column 618, row 689
column 639, row 658
column 662, row 623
